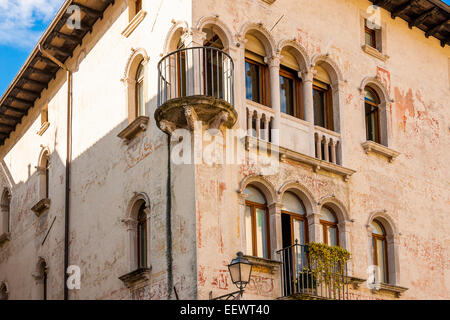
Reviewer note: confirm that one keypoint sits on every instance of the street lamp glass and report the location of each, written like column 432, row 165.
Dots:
column 240, row 271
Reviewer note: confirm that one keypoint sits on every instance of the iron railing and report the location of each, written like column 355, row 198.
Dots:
column 300, row 277
column 196, row 71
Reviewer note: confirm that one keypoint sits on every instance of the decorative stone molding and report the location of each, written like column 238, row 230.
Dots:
column 316, row 164
column 390, row 288
column 370, row 146
column 374, row 52
column 140, row 124
column 40, row 207
column 270, row 265
column 269, row 1
column 5, row 237
column 134, row 23
column 136, row 278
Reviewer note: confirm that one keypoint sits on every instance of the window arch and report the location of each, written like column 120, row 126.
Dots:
column 294, row 221
column 41, row 277
column 6, row 212
column 138, row 215
column 256, row 223
column 329, row 222
column 372, row 114
column 135, row 80
column 257, row 77
column 44, row 174
column 380, row 251
column 291, row 86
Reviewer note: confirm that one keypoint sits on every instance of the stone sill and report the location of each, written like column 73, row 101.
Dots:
column 354, row 281
column 5, row 237
column 391, row 288
column 253, row 104
column 265, row 263
column 41, row 206
column 375, row 53
column 370, row 146
column 134, row 23
column 136, row 277
column 44, row 128
column 269, row 1
column 138, row 125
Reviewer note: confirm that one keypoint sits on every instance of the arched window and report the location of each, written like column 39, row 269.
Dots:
column 322, row 99
column 44, row 176
column 4, row 291
column 142, row 238
column 294, row 223
column 372, row 111
column 140, row 102
column 257, row 78
column 330, row 229
column 291, row 91
column 6, row 212
column 256, row 224
column 42, row 279
column 213, row 64
column 379, row 251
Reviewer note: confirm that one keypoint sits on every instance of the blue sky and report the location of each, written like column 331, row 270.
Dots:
column 22, row 22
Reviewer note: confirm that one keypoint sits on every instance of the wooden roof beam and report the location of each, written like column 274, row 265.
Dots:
column 24, row 101
column 402, row 8
column 436, row 28
column 18, row 110
column 70, row 38
column 6, row 126
column 89, row 11
column 421, row 18
column 9, row 117
column 57, row 50
column 36, row 82
column 39, row 71
column 30, row 92
column 381, row 3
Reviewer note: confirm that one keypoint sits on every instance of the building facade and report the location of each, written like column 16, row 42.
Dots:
column 144, row 143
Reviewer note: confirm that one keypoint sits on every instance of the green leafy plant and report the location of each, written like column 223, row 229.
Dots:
column 328, row 264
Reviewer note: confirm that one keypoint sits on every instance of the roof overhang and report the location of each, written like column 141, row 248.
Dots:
column 430, row 16
column 35, row 75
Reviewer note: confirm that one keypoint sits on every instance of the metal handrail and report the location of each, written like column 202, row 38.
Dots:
column 299, row 276
column 196, row 71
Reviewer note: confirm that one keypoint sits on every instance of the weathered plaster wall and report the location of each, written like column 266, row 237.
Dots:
column 206, row 224
column 412, row 190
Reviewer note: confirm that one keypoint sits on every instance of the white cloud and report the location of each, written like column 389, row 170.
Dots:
column 23, row 21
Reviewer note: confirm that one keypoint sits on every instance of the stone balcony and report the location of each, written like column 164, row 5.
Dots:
column 195, row 84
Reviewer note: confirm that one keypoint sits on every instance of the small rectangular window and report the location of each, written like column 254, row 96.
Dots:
column 138, row 6
column 291, row 93
column 370, row 37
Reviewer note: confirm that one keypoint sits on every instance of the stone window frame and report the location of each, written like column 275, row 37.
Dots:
column 44, row 120
column 136, row 122
column 40, row 276
column 383, row 148
column 380, row 38
column 136, row 14
column 131, row 222
column 6, row 214
column 4, row 290
column 392, row 241
column 43, row 170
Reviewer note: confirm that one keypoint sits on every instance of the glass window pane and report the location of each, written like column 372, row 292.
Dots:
column 287, row 95
column 299, row 231
column 140, row 98
column 377, row 228
column 252, row 82
column 332, row 236
column 248, row 231
column 319, row 105
column 381, row 260
column 292, row 204
column 261, row 234
column 254, row 195
column 327, row 215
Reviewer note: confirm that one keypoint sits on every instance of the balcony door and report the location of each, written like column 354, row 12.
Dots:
column 295, row 236
column 213, row 65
